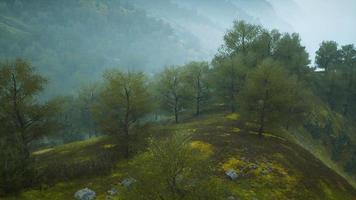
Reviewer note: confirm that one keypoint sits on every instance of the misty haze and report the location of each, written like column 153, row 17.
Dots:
column 177, row 99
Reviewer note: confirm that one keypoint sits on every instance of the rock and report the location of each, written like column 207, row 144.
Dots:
column 112, row 192
column 267, row 171
column 253, row 166
column 85, row 194
column 128, row 182
column 231, row 174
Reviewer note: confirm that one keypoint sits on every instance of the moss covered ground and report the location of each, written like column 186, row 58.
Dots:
column 270, row 168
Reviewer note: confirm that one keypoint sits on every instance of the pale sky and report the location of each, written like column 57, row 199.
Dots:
column 318, row 20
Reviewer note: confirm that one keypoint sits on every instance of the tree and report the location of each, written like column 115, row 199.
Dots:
column 289, row 51
column 171, row 90
column 328, row 58
column 229, row 76
column 271, row 98
column 124, row 99
column 195, row 75
column 348, row 61
column 240, row 38
column 264, row 46
column 87, row 98
column 22, row 120
column 177, row 171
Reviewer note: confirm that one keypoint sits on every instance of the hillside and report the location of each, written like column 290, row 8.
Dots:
column 276, row 167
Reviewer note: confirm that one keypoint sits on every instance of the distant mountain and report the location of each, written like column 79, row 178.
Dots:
column 75, row 40
column 208, row 20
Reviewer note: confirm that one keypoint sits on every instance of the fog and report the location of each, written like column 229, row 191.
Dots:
column 319, row 20
column 76, row 40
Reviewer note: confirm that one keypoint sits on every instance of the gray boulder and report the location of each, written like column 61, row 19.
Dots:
column 253, row 166
column 85, row 194
column 128, row 182
column 231, row 174
column 112, row 192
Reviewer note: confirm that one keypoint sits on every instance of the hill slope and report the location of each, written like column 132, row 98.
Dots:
column 276, row 168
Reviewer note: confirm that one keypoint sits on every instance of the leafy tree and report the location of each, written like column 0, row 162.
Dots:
column 124, row 99
column 172, row 169
column 271, row 98
column 327, row 56
column 263, row 46
column 289, row 51
column 195, row 75
column 171, row 90
column 240, row 38
column 22, row 120
column 348, row 62
column 229, row 75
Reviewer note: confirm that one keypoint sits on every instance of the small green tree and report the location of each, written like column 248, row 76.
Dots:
column 228, row 79
column 171, row 91
column 328, row 58
column 124, row 99
column 292, row 55
column 172, row 169
column 271, row 98
column 23, row 119
column 195, row 76
column 240, row 38
column 348, row 61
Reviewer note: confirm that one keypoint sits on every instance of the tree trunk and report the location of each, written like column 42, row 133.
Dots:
column 262, row 116
column 21, row 125
column 127, row 142
column 176, row 109
column 262, row 122
column 176, row 115
column 260, row 130
column 198, row 106
column 127, row 123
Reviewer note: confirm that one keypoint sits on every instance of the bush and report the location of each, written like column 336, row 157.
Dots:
column 15, row 170
column 173, row 169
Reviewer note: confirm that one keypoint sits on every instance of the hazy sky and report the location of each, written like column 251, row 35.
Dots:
column 318, row 20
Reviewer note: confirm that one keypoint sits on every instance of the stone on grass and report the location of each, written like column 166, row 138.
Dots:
column 128, row 182
column 231, row 174
column 253, row 166
column 85, row 194
column 112, row 192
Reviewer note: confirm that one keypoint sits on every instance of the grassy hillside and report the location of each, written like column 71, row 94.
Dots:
column 273, row 167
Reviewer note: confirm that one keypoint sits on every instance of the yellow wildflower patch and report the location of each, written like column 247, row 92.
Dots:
column 233, row 116
column 203, row 147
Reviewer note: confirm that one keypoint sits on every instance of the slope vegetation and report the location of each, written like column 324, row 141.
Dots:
column 269, row 168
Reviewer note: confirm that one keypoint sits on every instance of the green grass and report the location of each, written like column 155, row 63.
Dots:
column 295, row 173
